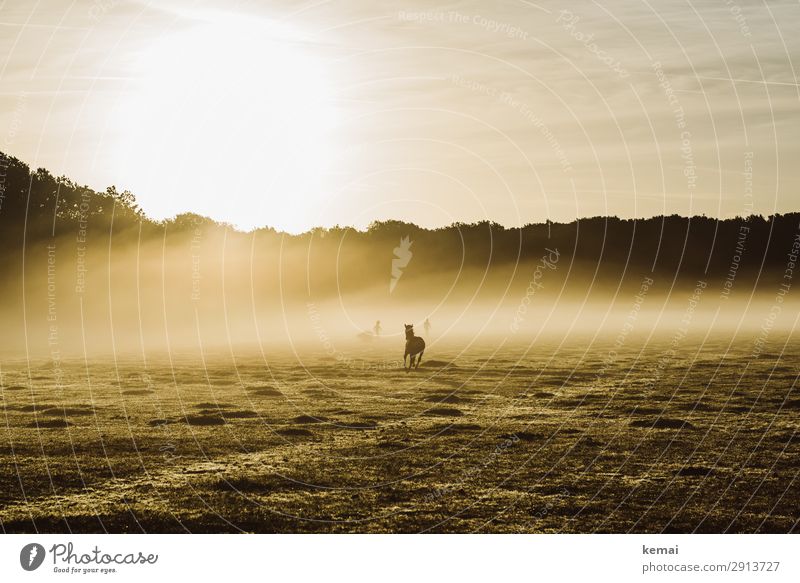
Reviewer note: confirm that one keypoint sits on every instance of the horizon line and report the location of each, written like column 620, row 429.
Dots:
column 5, row 157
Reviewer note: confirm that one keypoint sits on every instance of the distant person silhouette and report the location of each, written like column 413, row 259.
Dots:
column 377, row 328
column 427, row 325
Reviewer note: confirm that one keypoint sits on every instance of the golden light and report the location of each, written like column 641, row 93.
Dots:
column 229, row 119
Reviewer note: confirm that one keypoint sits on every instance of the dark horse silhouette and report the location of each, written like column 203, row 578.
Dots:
column 415, row 346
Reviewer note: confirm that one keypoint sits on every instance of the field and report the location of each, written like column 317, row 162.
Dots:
column 563, row 438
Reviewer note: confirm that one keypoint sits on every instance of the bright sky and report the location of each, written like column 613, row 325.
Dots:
column 294, row 114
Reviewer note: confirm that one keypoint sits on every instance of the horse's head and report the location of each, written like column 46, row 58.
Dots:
column 409, row 330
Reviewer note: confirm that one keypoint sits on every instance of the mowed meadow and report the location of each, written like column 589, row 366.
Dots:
column 481, row 438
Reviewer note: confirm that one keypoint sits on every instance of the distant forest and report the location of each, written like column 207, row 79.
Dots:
column 37, row 208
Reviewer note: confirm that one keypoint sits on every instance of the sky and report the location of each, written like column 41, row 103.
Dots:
column 303, row 114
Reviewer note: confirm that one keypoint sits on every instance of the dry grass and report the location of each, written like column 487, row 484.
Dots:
column 466, row 443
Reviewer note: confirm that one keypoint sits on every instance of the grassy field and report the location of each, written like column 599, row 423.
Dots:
column 487, row 439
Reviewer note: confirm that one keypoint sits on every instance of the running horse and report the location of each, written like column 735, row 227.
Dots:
column 415, row 346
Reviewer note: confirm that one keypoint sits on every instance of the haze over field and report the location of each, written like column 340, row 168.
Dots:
column 98, row 275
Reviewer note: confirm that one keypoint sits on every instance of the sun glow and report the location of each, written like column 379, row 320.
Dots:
column 230, row 119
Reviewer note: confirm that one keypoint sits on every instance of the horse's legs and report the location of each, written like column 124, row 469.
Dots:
column 404, row 360
column 419, row 358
